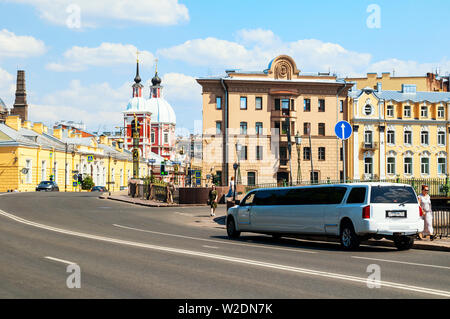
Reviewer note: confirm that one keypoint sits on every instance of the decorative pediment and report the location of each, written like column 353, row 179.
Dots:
column 283, row 67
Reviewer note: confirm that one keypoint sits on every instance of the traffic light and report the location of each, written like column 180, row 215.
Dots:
column 80, row 178
column 135, row 126
column 163, row 169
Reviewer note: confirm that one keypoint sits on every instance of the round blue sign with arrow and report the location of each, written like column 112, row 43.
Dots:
column 343, row 130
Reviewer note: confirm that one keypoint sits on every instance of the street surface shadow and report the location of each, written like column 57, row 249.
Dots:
column 287, row 242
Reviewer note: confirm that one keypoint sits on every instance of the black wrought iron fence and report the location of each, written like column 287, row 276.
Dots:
column 441, row 221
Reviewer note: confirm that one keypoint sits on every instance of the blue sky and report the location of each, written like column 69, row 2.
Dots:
column 85, row 73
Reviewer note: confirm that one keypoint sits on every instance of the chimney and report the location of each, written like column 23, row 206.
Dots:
column 14, row 122
column 20, row 106
column 379, row 86
column 38, row 128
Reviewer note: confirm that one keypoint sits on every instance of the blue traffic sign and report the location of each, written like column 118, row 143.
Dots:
column 343, row 130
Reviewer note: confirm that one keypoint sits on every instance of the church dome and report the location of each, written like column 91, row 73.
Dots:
column 161, row 111
column 136, row 104
column 156, row 80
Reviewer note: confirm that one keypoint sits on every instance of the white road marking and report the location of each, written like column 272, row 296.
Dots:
column 402, row 262
column 215, row 241
column 213, row 247
column 60, row 260
column 362, row 280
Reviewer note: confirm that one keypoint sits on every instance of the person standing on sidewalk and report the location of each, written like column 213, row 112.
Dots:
column 212, row 200
column 425, row 203
column 170, row 190
column 231, row 189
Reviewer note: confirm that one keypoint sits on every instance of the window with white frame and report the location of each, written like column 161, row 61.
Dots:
column 407, row 111
column 424, row 165
column 390, row 111
column 424, row 140
column 441, row 138
column 55, row 172
column 441, row 112
column 29, row 175
column 166, row 138
column 424, row 111
column 390, row 137
column 368, row 109
column 408, row 165
column 153, row 137
column 407, row 137
column 442, row 166
column 368, row 138
column 44, row 171
column 391, row 165
column 368, row 166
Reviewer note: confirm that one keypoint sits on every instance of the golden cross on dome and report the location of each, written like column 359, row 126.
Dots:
column 137, row 55
column 156, row 65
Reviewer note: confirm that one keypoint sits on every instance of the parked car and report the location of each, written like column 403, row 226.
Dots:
column 350, row 212
column 47, row 186
column 99, row 189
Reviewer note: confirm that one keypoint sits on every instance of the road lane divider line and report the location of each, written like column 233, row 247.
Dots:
column 312, row 272
column 215, row 241
column 401, row 262
column 212, row 247
column 60, row 260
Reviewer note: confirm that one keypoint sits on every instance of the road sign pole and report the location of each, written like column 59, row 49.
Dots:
column 344, row 161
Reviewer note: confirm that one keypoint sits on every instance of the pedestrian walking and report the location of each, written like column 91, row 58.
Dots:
column 425, row 203
column 212, row 200
column 231, row 189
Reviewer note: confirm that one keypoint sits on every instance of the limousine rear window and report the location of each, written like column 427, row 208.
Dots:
column 357, row 195
column 393, row 194
column 300, row 196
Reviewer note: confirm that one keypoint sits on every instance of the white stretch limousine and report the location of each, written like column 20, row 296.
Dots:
column 352, row 212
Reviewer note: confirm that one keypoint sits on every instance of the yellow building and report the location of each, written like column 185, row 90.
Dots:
column 29, row 154
column 402, row 133
column 246, row 116
column 430, row 82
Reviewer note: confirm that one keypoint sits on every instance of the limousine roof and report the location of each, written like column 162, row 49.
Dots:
column 332, row 185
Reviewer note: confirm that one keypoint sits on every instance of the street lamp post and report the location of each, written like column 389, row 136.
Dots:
column 236, row 167
column 298, row 142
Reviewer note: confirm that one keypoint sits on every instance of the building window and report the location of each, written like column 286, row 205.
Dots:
column 259, row 128
column 29, row 175
column 306, row 128
column 424, row 138
column 390, row 111
column 258, row 103
column 243, row 103
column 368, row 138
column 55, row 172
column 441, row 112
column 424, row 111
column 251, row 178
column 341, row 154
column 408, row 162
column 390, row 137
column 322, row 129
column 285, row 106
column 292, row 105
column 391, row 165
column 341, row 106
column 218, row 102
column 284, row 127
column 321, row 105
column 277, row 104
column 425, row 166
column 321, row 153
column 243, row 127
column 44, row 171
column 259, row 153
column 166, row 138
column 368, row 109
column 407, row 111
column 218, row 127
column 306, row 154
column 368, row 166
column 243, row 153
column 441, row 138
column 442, row 166
column 408, row 137
column 307, row 105
column 153, row 137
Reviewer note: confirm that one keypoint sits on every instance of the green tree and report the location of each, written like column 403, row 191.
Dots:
column 87, row 183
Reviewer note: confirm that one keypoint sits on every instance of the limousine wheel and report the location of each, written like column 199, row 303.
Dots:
column 349, row 239
column 403, row 242
column 231, row 229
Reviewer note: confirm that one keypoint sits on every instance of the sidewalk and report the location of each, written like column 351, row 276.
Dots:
column 123, row 197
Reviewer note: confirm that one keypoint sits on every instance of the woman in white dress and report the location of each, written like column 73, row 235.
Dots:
column 425, row 203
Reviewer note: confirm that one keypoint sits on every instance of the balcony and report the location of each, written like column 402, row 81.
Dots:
column 282, row 113
column 369, row 146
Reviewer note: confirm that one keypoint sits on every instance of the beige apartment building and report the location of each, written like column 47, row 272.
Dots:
column 248, row 118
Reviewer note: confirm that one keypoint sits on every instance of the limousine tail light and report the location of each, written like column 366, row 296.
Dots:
column 366, row 212
column 420, row 211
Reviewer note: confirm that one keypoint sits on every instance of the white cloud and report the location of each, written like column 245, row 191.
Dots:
column 21, row 46
column 95, row 13
column 7, row 87
column 107, row 54
column 410, row 67
column 255, row 48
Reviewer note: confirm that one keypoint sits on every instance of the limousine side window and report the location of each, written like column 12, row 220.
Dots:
column 393, row 194
column 357, row 195
column 248, row 200
column 270, row 197
column 314, row 196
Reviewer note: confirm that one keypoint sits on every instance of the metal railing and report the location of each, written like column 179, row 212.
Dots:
column 441, row 221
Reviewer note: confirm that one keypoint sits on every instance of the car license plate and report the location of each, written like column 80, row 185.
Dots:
column 396, row 213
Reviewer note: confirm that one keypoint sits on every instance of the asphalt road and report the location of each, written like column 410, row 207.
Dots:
column 128, row 251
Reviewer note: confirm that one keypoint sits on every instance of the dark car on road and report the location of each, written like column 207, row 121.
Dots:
column 47, row 186
column 99, row 189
